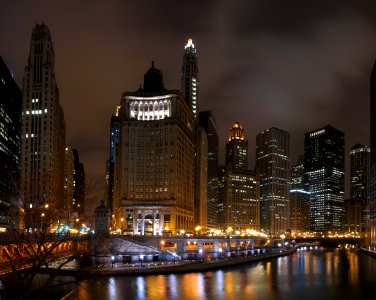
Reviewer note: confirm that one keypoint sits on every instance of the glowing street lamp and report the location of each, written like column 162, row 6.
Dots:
column 112, row 260
column 198, row 228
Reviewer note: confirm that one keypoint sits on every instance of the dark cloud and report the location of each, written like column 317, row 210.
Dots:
column 296, row 65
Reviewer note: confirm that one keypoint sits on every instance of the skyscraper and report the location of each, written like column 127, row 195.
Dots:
column 112, row 195
column 189, row 77
column 10, row 143
column 273, row 167
column 372, row 207
column 237, row 148
column 156, row 160
column 43, row 130
column 299, row 199
column 240, row 190
column 207, row 122
column 359, row 181
column 324, row 177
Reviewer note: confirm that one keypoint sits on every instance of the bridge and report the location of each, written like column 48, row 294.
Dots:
column 20, row 245
column 331, row 241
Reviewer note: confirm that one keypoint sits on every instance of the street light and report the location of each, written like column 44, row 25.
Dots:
column 141, row 259
column 198, row 228
column 112, row 260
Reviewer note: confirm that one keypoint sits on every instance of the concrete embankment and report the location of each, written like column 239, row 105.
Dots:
column 177, row 267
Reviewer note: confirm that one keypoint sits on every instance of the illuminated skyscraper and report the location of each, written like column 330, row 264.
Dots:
column 359, row 181
column 239, row 201
column 156, row 161
column 273, row 167
column 189, row 77
column 372, row 208
column 324, row 177
column 237, row 148
column 10, row 143
column 43, row 130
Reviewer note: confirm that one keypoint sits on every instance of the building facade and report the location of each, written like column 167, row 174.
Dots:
column 201, row 182
column 156, row 160
column 324, row 177
column 112, row 196
column 10, row 144
column 274, row 170
column 68, row 181
column 299, row 199
column 239, row 204
column 43, row 130
column 359, row 181
column 353, row 211
column 208, row 123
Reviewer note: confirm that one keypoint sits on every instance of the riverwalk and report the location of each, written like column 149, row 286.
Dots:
column 166, row 267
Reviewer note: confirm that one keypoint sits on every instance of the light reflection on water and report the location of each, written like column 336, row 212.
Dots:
column 316, row 274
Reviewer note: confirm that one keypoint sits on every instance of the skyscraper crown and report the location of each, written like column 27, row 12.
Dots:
column 236, row 132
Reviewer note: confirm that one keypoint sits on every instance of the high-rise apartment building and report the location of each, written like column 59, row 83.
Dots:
column 359, row 181
column 189, row 77
column 324, row 177
column 372, row 207
column 299, row 199
column 207, row 122
column 156, row 160
column 10, row 143
column 43, row 130
column 239, row 204
column 273, row 167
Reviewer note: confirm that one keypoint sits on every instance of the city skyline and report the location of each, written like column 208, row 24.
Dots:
column 296, row 75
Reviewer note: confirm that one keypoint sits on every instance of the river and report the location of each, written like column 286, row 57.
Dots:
column 322, row 273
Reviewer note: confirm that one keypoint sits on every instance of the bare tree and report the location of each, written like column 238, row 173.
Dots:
column 46, row 249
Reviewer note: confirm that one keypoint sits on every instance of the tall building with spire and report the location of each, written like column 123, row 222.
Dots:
column 43, row 130
column 189, row 77
column 273, row 167
column 156, row 161
column 237, row 148
column 324, row 177
column 239, row 200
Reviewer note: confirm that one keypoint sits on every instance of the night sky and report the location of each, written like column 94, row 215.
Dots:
column 295, row 65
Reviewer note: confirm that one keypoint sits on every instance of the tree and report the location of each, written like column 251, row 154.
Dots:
column 45, row 249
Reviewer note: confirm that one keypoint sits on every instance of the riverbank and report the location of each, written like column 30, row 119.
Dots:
column 154, row 268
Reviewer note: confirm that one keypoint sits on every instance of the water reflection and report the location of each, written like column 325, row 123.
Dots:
column 315, row 274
